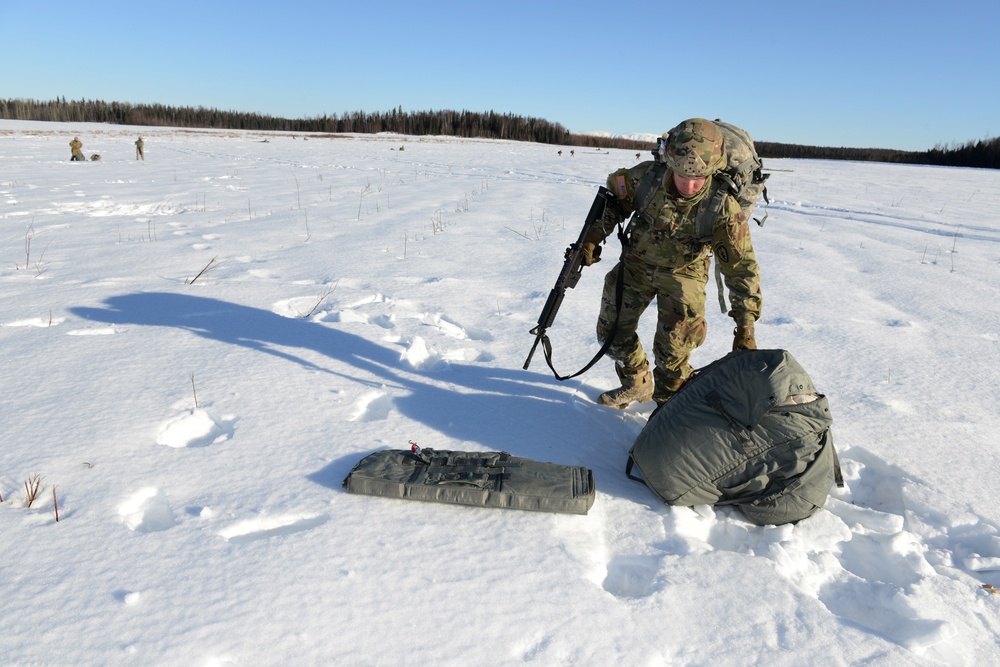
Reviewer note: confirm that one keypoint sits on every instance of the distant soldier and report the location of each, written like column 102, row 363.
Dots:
column 666, row 260
column 76, row 146
column 138, row 150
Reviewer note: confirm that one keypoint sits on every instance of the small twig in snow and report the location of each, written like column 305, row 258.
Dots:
column 200, row 273
column 322, row 298
column 519, row 233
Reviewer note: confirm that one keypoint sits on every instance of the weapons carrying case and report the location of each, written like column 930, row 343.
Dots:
column 486, row 479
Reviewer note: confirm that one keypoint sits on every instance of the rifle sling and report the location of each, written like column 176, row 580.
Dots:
column 619, row 292
column 643, row 196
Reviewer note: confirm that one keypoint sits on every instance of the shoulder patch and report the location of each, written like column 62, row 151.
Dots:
column 620, row 186
column 722, row 253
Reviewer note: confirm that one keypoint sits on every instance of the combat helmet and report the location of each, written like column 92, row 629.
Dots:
column 694, row 148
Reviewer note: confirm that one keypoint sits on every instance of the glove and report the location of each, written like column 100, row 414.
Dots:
column 591, row 253
column 743, row 336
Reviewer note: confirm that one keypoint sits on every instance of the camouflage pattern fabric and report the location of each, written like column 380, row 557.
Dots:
column 76, row 145
column 680, row 319
column 739, row 151
column 665, row 260
column 694, row 148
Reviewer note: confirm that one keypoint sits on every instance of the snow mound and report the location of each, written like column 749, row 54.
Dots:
column 147, row 511
column 196, row 428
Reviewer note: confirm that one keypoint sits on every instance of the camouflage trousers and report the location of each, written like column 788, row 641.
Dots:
column 680, row 319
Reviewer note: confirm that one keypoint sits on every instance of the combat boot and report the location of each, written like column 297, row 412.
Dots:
column 665, row 389
column 637, row 387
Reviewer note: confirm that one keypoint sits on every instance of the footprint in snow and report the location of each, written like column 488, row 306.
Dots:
column 299, row 307
column 451, row 328
column 383, row 321
column 878, row 556
column 631, row 576
column 881, row 569
column 195, row 428
column 358, row 311
column 420, row 358
column 626, row 568
column 347, row 316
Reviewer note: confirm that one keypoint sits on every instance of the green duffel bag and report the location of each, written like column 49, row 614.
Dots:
column 486, row 479
column 748, row 430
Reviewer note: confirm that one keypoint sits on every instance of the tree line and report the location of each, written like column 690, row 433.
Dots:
column 984, row 153
column 466, row 124
column 469, row 124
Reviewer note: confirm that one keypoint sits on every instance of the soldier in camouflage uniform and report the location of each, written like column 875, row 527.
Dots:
column 665, row 260
column 76, row 147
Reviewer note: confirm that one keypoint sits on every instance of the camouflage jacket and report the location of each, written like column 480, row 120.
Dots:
column 664, row 236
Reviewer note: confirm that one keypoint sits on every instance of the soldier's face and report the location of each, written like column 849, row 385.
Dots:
column 688, row 186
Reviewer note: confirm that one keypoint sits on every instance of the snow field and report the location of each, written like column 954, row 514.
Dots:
column 197, row 427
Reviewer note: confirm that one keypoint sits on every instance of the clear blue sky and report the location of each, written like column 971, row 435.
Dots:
column 881, row 73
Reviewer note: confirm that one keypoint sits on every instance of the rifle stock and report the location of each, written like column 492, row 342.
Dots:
column 570, row 273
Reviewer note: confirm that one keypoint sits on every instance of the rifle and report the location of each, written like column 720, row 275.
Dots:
column 569, row 276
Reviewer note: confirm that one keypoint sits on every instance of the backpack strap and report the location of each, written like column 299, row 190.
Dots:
column 711, row 207
column 705, row 224
column 646, row 188
column 720, row 287
column 750, row 170
column 619, row 297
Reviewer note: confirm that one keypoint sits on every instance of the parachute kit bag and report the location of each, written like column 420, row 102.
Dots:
column 748, row 430
column 486, row 479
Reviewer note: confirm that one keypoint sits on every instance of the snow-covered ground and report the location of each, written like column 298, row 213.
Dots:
column 198, row 347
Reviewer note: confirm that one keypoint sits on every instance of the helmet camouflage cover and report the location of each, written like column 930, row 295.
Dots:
column 694, row 148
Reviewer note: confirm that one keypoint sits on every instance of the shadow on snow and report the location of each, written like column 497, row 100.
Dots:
column 522, row 412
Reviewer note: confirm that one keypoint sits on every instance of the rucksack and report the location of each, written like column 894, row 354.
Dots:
column 743, row 175
column 748, row 430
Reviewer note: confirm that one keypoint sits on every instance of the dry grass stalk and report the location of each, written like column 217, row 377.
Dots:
column 322, row 298
column 31, row 488
column 202, row 272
